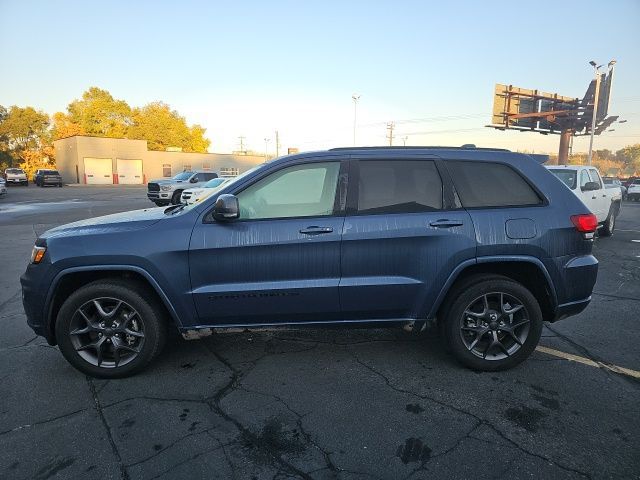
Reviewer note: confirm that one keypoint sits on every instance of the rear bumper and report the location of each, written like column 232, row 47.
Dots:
column 576, row 278
column 569, row 309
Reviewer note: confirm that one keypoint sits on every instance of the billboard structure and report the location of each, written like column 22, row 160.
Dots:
column 516, row 108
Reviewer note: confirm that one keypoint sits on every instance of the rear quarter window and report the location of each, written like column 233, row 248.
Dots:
column 487, row 184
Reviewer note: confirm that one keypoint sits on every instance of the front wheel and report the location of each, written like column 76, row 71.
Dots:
column 492, row 323
column 175, row 198
column 110, row 329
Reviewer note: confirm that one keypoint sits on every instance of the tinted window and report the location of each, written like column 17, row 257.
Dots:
column 300, row 191
column 568, row 177
column 183, row 176
column 207, row 176
column 398, row 186
column 485, row 184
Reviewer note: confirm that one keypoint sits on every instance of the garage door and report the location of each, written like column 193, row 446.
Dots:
column 98, row 171
column 129, row 171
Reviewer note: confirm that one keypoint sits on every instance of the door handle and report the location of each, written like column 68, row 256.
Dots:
column 316, row 230
column 444, row 223
column 593, row 198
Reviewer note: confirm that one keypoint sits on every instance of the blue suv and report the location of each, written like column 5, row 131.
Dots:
column 486, row 242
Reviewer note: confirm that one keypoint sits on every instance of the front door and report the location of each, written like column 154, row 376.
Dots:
column 402, row 238
column 280, row 262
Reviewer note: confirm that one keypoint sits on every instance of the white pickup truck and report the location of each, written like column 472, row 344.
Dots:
column 586, row 182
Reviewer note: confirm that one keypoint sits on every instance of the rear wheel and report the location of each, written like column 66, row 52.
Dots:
column 609, row 224
column 108, row 329
column 492, row 323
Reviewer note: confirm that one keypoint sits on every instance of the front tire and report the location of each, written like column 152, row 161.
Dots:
column 109, row 329
column 492, row 323
column 175, row 198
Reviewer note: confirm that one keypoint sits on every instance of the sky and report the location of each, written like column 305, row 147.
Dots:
column 249, row 68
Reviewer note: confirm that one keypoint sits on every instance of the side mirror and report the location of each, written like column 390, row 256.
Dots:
column 226, row 208
column 193, row 180
column 589, row 186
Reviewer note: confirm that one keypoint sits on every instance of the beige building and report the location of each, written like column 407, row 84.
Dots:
column 99, row 160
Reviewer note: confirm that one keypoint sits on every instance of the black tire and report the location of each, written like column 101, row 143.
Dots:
column 175, row 198
column 456, row 330
column 151, row 323
column 59, row 185
column 609, row 224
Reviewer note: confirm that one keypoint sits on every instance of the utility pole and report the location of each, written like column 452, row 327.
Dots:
column 266, row 149
column 241, row 138
column 277, row 144
column 355, row 99
column 404, row 140
column 390, row 127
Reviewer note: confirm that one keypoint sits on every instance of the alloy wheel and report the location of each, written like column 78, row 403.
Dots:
column 494, row 326
column 107, row 332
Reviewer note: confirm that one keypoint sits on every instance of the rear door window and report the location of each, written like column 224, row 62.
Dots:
column 487, row 184
column 398, row 186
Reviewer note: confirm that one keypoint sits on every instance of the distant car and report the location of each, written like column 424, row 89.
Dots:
column 193, row 195
column 3, row 187
column 47, row 177
column 614, row 182
column 169, row 190
column 16, row 175
column 633, row 192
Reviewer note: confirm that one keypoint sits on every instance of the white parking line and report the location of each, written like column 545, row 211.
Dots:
column 586, row 361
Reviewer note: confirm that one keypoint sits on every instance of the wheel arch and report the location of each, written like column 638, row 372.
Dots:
column 69, row 280
column 529, row 271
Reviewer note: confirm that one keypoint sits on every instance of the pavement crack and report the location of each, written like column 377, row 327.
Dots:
column 215, row 405
column 43, row 422
column 481, row 421
column 124, row 475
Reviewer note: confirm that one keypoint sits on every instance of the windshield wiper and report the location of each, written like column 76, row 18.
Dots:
column 175, row 208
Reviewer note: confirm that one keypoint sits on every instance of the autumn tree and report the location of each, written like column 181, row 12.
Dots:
column 23, row 129
column 98, row 113
column 63, row 127
column 163, row 127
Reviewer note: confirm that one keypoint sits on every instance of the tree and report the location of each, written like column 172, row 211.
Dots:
column 163, row 127
column 630, row 156
column 23, row 130
column 63, row 127
column 98, row 113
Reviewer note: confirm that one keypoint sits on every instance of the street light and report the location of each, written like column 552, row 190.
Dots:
column 596, row 94
column 355, row 98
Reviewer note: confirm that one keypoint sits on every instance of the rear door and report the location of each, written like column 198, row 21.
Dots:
column 402, row 237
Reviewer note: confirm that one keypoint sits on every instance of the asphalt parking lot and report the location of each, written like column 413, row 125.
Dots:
column 317, row 403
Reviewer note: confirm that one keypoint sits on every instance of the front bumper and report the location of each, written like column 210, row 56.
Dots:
column 162, row 197
column 33, row 301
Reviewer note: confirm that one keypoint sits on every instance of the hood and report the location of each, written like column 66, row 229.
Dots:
column 164, row 181
column 117, row 222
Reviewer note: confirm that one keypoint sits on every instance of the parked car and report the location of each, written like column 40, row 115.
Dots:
column 3, row 187
column 633, row 192
column 614, row 182
column 586, row 183
column 193, row 195
column 47, row 177
column 486, row 242
column 169, row 190
column 16, row 175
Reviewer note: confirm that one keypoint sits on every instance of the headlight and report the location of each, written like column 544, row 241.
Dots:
column 165, row 188
column 37, row 254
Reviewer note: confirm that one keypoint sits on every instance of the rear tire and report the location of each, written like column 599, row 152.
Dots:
column 109, row 329
column 609, row 224
column 491, row 323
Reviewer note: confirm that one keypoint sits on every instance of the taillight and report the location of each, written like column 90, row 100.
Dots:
column 586, row 223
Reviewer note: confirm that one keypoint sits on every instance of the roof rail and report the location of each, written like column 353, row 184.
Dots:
column 464, row 147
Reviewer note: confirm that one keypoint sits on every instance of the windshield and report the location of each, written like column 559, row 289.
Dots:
column 51, row 172
column 183, row 176
column 215, row 182
column 568, row 177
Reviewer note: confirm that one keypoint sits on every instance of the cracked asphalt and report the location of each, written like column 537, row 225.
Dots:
column 318, row 403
